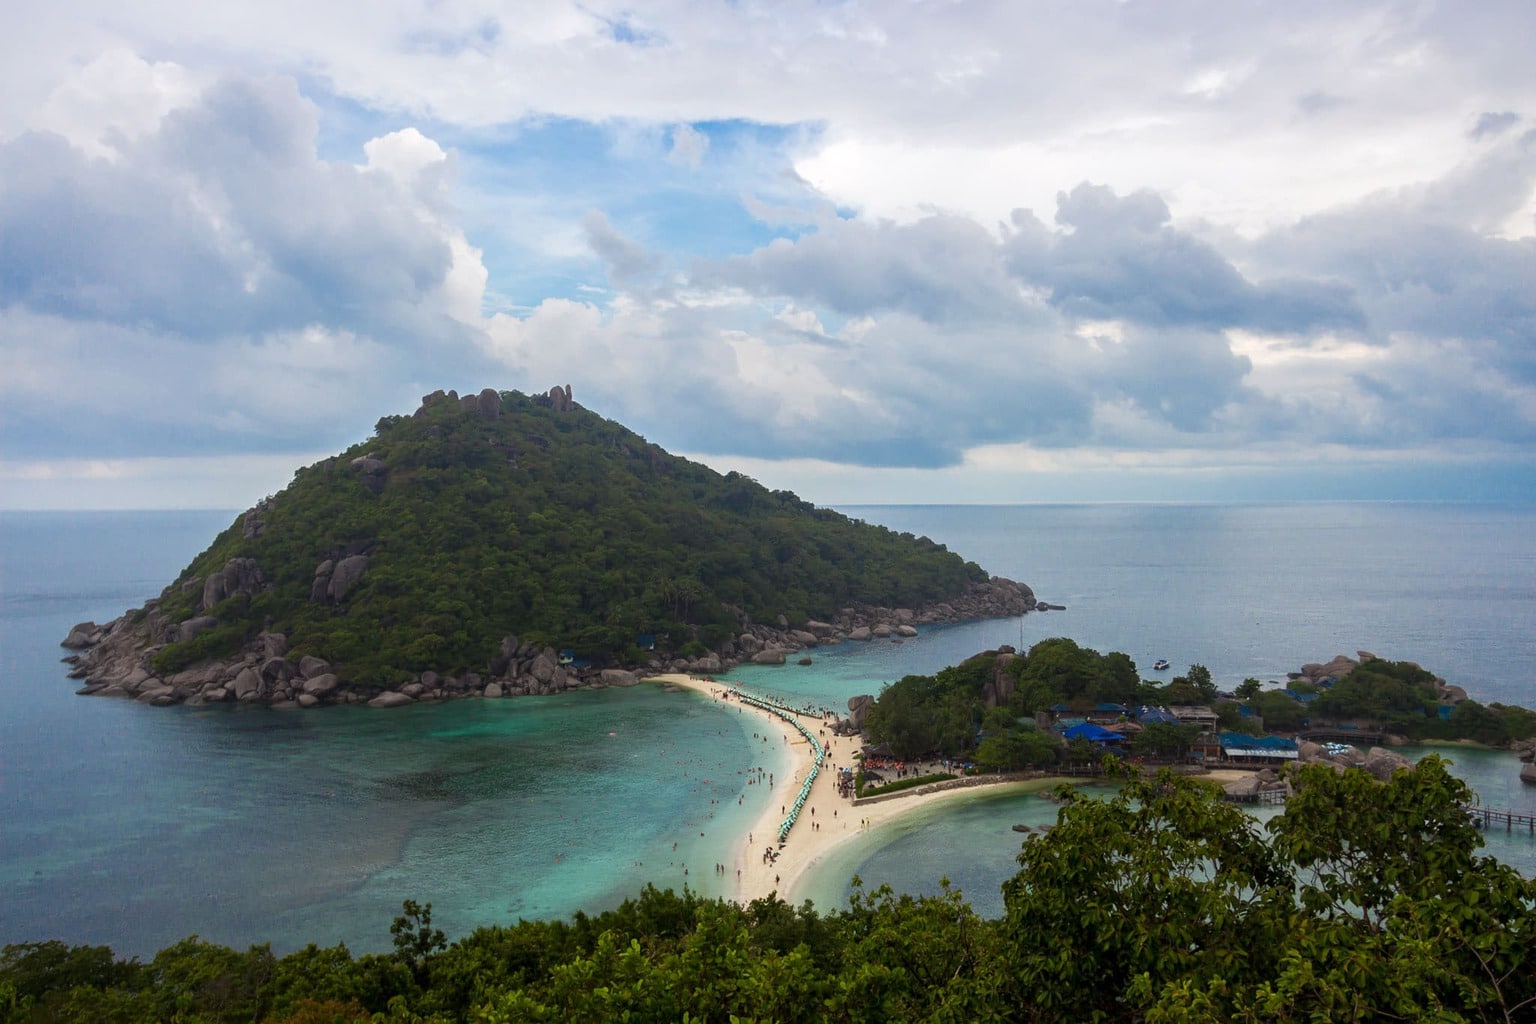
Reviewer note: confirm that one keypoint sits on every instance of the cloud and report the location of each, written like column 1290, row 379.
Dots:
column 1425, row 263
column 1120, row 257
column 221, row 220
column 887, row 236
column 625, row 260
column 941, row 268
column 1491, row 123
column 877, row 343
column 688, row 146
column 217, row 284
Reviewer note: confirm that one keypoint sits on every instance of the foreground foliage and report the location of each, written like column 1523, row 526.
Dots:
column 1365, row 902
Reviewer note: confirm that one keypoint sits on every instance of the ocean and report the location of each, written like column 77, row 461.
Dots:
column 136, row 826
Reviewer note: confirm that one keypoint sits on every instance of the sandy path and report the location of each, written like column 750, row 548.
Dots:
column 827, row 821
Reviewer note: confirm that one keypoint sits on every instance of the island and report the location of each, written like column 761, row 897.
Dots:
column 497, row 544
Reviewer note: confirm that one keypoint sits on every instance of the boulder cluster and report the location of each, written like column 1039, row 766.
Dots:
column 1379, row 761
column 764, row 644
column 1340, row 665
column 115, row 660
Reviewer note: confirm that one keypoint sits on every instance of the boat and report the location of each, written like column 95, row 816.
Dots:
column 1160, row 665
column 1021, row 828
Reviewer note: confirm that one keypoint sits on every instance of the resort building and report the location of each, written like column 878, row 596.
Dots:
column 1240, row 748
column 1201, row 716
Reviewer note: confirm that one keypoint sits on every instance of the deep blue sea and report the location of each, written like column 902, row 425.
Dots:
column 137, row 826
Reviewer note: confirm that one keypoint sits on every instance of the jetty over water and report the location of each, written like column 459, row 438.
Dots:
column 1487, row 817
column 1353, row 737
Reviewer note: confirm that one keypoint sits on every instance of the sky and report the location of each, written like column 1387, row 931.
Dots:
column 874, row 253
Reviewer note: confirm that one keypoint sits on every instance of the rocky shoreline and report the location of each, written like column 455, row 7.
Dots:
column 114, row 659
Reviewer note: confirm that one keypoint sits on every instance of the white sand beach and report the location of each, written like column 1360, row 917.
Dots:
column 827, row 822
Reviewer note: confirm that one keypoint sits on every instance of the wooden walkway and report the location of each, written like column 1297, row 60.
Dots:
column 1354, row 737
column 1488, row 817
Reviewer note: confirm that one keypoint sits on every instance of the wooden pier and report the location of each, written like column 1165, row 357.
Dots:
column 1487, row 817
column 1353, row 737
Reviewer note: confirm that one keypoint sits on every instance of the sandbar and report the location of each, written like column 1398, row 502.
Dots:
column 827, row 822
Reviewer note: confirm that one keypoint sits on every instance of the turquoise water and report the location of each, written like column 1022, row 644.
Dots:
column 973, row 844
column 136, row 826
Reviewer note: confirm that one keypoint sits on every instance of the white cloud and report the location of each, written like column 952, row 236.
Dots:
column 225, row 482
column 688, row 145
column 1286, row 225
column 114, row 100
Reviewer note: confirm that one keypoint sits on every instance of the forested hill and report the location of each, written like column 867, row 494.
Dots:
column 425, row 546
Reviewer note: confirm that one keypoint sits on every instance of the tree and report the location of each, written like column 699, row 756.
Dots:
column 1165, row 739
column 414, row 937
column 1280, row 713
column 1116, row 680
column 1159, row 883
column 1248, row 688
column 1229, row 717
column 1200, row 678
column 902, row 719
column 1016, row 749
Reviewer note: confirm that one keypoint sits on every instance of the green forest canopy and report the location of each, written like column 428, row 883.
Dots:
column 1363, row 901
column 556, row 525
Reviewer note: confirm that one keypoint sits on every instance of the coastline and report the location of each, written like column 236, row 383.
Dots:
column 828, row 823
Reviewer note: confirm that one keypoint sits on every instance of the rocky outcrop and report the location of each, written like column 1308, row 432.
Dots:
column 1245, row 788
column 1384, row 763
column 488, row 403
column 560, row 399
column 192, row 627
column 115, row 659
column 81, row 635
column 764, row 644
column 348, row 571
column 335, row 579
column 999, row 689
column 239, row 577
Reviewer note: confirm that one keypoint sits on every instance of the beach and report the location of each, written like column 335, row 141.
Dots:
column 827, row 823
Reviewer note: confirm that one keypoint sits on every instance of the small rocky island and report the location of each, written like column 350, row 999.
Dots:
column 498, row 545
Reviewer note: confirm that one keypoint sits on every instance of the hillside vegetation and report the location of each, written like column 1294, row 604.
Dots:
column 983, row 708
column 507, row 514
